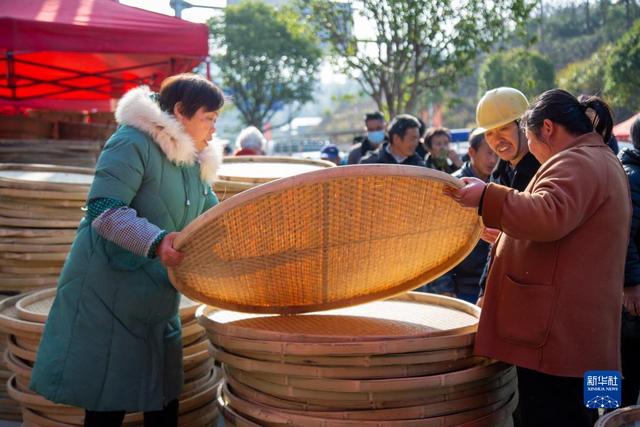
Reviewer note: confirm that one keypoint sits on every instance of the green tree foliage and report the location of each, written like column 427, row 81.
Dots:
column 528, row 71
column 270, row 58
column 586, row 76
column 416, row 46
column 573, row 31
column 622, row 77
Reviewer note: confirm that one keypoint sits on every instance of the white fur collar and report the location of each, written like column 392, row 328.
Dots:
column 138, row 110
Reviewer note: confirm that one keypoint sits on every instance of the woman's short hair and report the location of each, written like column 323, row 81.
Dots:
column 251, row 138
column 192, row 91
column 435, row 131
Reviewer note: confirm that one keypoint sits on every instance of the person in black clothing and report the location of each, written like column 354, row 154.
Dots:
column 440, row 156
column 375, row 125
column 630, row 344
column 404, row 137
column 422, row 150
column 463, row 280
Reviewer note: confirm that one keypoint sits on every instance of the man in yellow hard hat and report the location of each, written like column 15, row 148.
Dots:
column 499, row 112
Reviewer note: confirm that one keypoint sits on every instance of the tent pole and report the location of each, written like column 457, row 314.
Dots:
column 11, row 74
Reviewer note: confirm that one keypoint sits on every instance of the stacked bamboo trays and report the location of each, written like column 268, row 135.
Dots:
column 623, row 417
column 241, row 173
column 50, row 151
column 401, row 362
column 23, row 318
column 9, row 408
column 40, row 209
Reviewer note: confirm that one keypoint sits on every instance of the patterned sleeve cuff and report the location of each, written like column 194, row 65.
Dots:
column 96, row 207
column 154, row 246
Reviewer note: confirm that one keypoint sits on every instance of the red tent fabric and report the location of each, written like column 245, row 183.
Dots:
column 622, row 130
column 85, row 53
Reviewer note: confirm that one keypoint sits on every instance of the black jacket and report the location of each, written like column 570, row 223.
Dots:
column 382, row 156
column 630, row 159
column 517, row 178
column 463, row 279
column 361, row 147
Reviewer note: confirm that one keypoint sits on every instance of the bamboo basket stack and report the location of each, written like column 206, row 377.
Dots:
column 50, row 151
column 23, row 318
column 335, row 239
column 40, row 209
column 238, row 174
column 9, row 408
column 401, row 362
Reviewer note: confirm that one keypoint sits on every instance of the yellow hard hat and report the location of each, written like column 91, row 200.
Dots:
column 500, row 106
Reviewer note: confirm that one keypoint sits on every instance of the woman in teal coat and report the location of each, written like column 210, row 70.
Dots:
column 112, row 342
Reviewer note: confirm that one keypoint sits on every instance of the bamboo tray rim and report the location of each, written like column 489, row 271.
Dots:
column 231, row 329
column 363, row 361
column 14, row 325
column 433, row 410
column 453, row 378
column 44, row 185
column 620, row 417
column 347, row 348
column 499, row 408
column 277, row 402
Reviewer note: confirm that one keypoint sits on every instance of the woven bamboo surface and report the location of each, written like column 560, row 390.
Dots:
column 289, row 246
column 411, row 315
column 261, row 169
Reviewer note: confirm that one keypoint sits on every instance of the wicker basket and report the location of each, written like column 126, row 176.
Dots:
column 22, row 317
column 290, row 246
column 238, row 174
column 40, row 209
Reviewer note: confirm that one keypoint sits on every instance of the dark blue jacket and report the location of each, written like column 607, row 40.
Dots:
column 630, row 159
column 382, row 156
column 463, row 279
column 517, row 178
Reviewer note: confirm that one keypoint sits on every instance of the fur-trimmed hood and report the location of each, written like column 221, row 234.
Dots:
column 137, row 109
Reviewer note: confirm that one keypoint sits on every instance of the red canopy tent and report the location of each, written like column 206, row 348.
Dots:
column 621, row 130
column 82, row 54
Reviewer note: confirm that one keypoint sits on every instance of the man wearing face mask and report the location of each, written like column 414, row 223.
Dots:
column 375, row 125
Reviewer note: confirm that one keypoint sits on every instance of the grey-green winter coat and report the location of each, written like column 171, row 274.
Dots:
column 112, row 340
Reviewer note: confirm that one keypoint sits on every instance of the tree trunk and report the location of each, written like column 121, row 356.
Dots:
column 587, row 15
